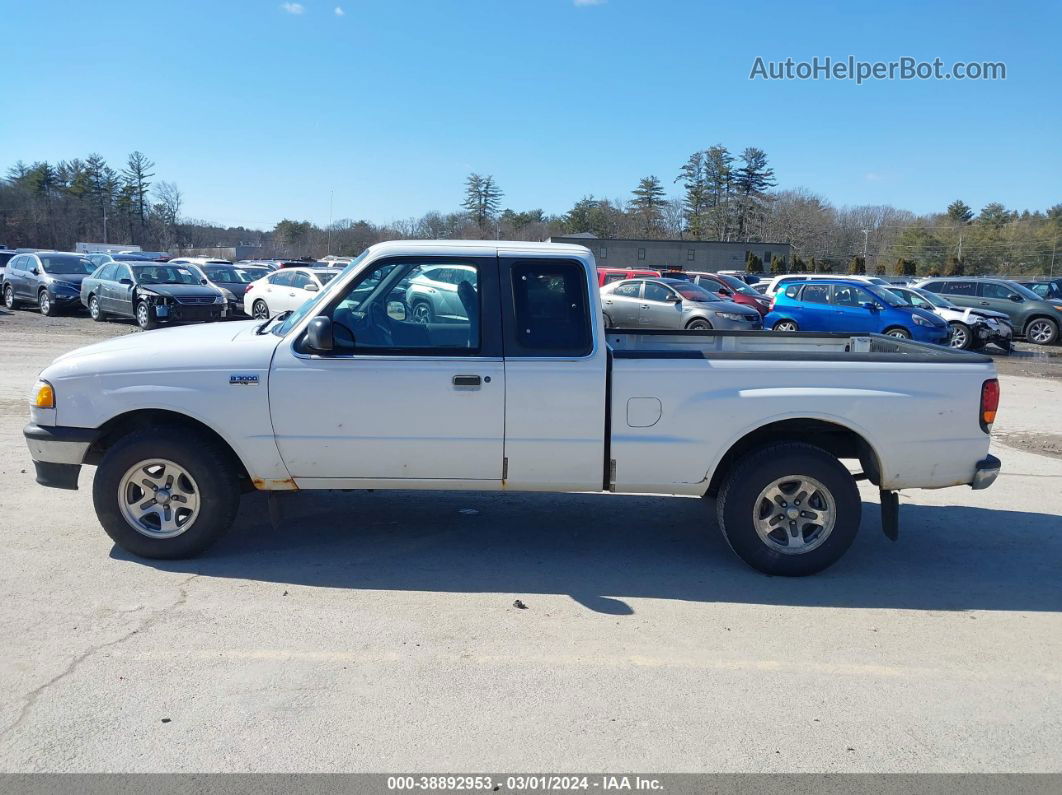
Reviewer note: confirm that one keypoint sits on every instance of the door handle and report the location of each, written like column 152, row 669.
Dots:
column 466, row 380
column 645, row 306
column 985, row 303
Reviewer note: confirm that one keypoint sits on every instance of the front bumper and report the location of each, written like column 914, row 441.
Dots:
column 986, row 472
column 58, row 453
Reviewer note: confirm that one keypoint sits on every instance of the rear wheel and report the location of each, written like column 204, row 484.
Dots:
column 94, row 309
column 698, row 325
column 44, row 302
column 165, row 493
column 898, row 333
column 9, row 297
column 961, row 337
column 1041, row 331
column 789, row 509
column 259, row 310
column 608, row 320
column 786, row 325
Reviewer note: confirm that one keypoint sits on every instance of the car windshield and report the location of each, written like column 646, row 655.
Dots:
column 66, row 263
column 900, row 296
column 886, row 296
column 295, row 317
column 165, row 274
column 694, row 292
column 938, row 301
column 236, row 275
column 737, row 285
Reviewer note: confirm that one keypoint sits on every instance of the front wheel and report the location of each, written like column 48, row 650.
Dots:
column 259, row 310
column 94, row 309
column 44, row 302
column 786, row 325
column 422, row 312
column 789, row 509
column 1041, row 331
column 961, row 337
column 165, row 493
column 145, row 318
column 698, row 325
column 9, row 297
column 898, row 333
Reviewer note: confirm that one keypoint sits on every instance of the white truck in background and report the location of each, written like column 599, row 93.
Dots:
column 516, row 386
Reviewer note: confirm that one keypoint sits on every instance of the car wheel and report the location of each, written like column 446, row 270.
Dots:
column 898, row 333
column 698, row 325
column 789, row 509
column 144, row 316
column 259, row 310
column 9, row 297
column 422, row 312
column 786, row 325
column 961, row 337
column 165, row 493
column 1041, row 331
column 44, row 301
column 94, row 309
column 608, row 320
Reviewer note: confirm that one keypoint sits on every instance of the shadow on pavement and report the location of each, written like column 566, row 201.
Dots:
column 602, row 550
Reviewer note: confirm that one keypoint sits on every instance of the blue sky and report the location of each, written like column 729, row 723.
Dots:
column 257, row 113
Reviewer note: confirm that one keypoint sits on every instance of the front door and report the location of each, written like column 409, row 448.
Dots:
column 397, row 399
column 120, row 295
column 1000, row 298
column 660, row 307
column 850, row 310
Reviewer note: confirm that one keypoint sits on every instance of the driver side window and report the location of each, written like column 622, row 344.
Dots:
column 405, row 308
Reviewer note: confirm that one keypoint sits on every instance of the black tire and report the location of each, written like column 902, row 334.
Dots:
column 699, row 325
column 95, row 312
column 9, row 297
column 899, row 332
column 961, row 332
column 1048, row 335
column 45, row 305
column 783, row 325
column 260, row 310
column 145, row 316
column 422, row 312
column 739, row 503
column 608, row 320
column 205, row 460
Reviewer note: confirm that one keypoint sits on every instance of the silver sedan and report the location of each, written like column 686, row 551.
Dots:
column 672, row 304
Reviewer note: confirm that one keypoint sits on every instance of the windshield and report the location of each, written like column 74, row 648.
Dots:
column 736, row 284
column 295, row 317
column 66, row 263
column 938, row 301
column 236, row 275
column 694, row 292
column 165, row 274
column 887, row 296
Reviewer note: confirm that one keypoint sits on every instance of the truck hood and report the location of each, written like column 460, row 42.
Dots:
column 202, row 347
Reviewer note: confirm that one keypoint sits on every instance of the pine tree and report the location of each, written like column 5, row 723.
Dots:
column 648, row 203
column 954, row 267
column 696, row 201
column 857, row 266
column 751, row 182
column 777, row 265
column 960, row 212
column 137, row 173
column 753, row 264
column 482, row 199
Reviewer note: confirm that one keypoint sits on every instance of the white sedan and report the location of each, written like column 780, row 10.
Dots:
column 284, row 290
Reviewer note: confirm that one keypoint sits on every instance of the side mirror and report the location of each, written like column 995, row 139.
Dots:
column 1016, row 298
column 311, row 287
column 34, row 270
column 725, row 292
column 319, row 335
column 870, row 305
column 204, row 281
column 396, row 310
column 126, row 282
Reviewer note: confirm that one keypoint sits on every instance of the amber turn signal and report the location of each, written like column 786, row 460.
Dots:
column 43, row 395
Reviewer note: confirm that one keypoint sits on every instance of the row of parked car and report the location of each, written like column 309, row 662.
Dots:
column 153, row 288
column 966, row 313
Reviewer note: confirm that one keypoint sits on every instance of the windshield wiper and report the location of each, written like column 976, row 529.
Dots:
column 282, row 316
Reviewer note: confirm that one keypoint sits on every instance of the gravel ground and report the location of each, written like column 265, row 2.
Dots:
column 378, row 632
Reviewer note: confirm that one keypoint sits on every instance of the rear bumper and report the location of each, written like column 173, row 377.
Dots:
column 986, row 472
column 58, row 453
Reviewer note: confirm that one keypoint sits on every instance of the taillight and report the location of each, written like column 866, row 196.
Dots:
column 770, row 307
column 989, row 403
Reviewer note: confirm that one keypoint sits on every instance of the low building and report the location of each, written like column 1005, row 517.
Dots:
column 689, row 255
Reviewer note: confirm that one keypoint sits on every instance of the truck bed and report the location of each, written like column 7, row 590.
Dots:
column 773, row 346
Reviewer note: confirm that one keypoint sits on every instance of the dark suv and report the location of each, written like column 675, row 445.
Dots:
column 1037, row 319
column 49, row 279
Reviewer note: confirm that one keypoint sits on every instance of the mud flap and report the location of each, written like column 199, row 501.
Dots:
column 890, row 514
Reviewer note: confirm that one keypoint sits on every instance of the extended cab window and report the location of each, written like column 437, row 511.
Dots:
column 551, row 314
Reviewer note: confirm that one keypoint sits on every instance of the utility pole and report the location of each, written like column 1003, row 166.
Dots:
column 104, row 224
column 866, row 242
column 331, row 195
column 960, row 246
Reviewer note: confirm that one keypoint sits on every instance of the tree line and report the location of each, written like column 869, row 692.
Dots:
column 721, row 196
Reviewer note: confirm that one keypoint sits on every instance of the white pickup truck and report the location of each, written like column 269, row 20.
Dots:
column 485, row 365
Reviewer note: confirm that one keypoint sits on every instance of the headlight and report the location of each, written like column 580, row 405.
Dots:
column 220, row 299
column 729, row 316
column 43, row 396
column 921, row 321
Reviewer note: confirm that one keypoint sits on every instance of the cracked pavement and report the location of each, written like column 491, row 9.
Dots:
column 377, row 632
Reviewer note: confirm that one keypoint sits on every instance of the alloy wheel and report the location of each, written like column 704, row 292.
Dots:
column 794, row 514
column 1041, row 332
column 158, row 498
column 959, row 337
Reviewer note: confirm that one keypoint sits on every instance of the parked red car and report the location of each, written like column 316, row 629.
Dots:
column 731, row 288
column 609, row 275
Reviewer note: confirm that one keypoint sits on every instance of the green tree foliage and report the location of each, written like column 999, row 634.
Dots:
column 648, row 205
column 857, row 266
column 777, row 265
column 959, row 212
column 879, row 270
column 753, row 264
column 292, row 234
column 954, row 267
column 482, row 199
column 752, row 180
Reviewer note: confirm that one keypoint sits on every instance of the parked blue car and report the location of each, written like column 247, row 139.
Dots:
column 852, row 307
